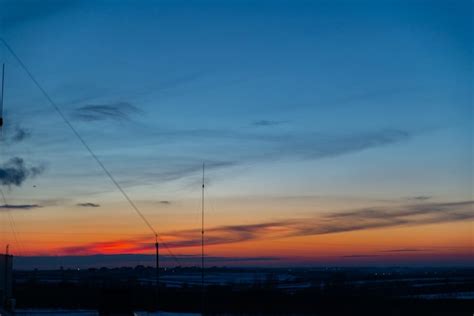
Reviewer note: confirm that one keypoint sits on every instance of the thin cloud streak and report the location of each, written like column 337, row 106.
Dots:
column 341, row 222
column 264, row 123
column 403, row 250
column 88, row 204
column 317, row 146
column 19, row 206
column 120, row 111
column 421, row 198
column 308, row 146
column 360, row 256
column 183, row 170
column 361, row 219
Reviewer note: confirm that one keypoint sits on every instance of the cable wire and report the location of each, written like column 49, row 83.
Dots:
column 12, row 223
column 84, row 143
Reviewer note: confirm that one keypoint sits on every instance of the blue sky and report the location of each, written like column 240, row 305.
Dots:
column 342, row 100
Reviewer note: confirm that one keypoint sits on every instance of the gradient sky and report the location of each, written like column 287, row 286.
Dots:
column 333, row 131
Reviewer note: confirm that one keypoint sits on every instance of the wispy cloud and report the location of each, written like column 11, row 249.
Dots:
column 369, row 218
column 224, row 234
column 165, row 202
column 403, row 250
column 181, row 170
column 360, row 219
column 178, row 82
column 261, row 123
column 420, row 198
column 317, row 146
column 120, row 111
column 88, row 204
column 15, row 133
column 20, row 134
column 262, row 147
column 330, row 223
column 359, row 256
column 108, row 247
column 15, row 172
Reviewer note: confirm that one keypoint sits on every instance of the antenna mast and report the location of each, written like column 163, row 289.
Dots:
column 202, row 237
column 1, row 100
column 157, row 275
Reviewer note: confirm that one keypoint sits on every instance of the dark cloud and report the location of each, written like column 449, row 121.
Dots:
column 15, row 172
column 419, row 214
column 222, row 235
column 420, row 198
column 16, row 133
column 19, row 206
column 317, row 146
column 20, row 134
column 179, row 171
column 165, row 202
column 88, row 204
column 403, row 250
column 359, row 256
column 267, row 123
column 120, row 111
column 360, row 219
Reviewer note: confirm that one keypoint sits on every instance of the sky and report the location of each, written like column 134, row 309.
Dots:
column 333, row 132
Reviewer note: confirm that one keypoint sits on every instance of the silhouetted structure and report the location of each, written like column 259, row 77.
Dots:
column 1, row 98
column 6, row 281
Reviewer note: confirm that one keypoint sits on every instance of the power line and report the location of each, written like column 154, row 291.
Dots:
column 12, row 223
column 202, row 228
column 202, row 242
column 84, row 143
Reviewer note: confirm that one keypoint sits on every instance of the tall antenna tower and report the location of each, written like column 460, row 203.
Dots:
column 1, row 100
column 157, row 275
column 202, row 238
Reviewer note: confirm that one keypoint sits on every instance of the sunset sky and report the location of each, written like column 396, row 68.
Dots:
column 333, row 132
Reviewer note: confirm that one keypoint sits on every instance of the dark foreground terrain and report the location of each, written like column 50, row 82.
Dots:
column 318, row 291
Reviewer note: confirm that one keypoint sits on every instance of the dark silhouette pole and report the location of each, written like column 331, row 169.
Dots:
column 1, row 100
column 202, row 242
column 157, row 273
